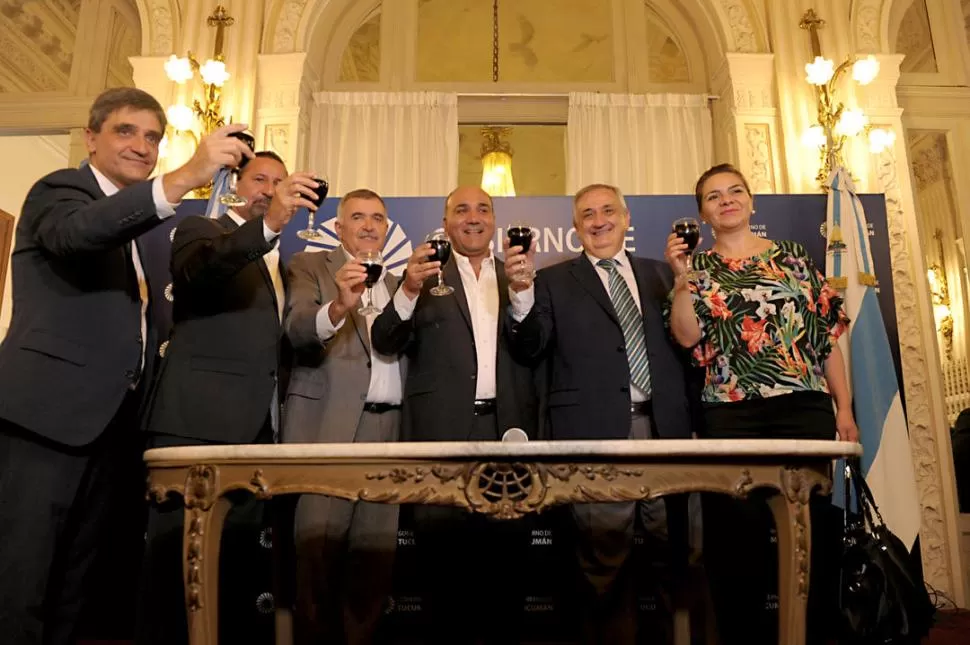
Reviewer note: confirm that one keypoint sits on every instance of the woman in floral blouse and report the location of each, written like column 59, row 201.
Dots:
column 762, row 324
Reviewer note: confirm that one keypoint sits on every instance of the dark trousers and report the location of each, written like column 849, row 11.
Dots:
column 345, row 557
column 740, row 553
column 468, row 569
column 161, row 616
column 71, row 519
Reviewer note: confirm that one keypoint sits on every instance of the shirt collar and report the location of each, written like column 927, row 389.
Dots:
column 106, row 185
column 620, row 258
column 487, row 261
column 236, row 217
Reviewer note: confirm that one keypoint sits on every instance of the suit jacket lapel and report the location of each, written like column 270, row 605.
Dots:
column 586, row 275
column 647, row 286
column 260, row 263
column 453, row 279
column 337, row 258
column 502, row 280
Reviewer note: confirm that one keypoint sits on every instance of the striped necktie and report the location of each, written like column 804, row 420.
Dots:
column 632, row 325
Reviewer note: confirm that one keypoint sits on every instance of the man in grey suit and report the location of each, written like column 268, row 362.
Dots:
column 341, row 390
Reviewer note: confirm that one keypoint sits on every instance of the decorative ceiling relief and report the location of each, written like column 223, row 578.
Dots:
column 668, row 64
column 916, row 41
column 361, row 61
column 36, row 41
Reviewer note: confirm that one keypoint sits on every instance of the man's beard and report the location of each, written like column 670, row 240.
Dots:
column 258, row 208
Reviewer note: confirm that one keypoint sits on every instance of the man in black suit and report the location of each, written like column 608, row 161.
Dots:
column 77, row 359
column 220, row 379
column 462, row 385
column 614, row 374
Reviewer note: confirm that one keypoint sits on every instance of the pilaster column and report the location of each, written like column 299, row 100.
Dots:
column 284, row 101
column 929, row 435
column 746, row 119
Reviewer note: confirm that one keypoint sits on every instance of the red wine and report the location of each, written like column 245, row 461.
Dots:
column 690, row 233
column 442, row 251
column 520, row 236
column 249, row 140
column 321, row 191
column 374, row 271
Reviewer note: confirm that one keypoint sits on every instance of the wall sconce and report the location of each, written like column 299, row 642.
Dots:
column 497, row 163
column 940, row 296
column 836, row 123
column 181, row 117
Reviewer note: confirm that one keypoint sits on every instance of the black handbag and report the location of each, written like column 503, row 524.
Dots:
column 882, row 598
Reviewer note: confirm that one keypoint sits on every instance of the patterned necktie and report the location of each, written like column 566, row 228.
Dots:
column 632, row 325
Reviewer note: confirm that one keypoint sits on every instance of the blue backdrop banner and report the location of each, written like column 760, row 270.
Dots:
column 793, row 217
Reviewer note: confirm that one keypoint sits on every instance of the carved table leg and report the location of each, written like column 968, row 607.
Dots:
column 794, row 552
column 200, row 567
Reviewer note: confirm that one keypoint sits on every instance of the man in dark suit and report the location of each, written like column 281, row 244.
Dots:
column 220, row 378
column 462, row 385
column 614, row 374
column 341, row 390
column 77, row 359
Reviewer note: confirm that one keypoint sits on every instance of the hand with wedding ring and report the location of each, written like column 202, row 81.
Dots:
column 520, row 265
column 291, row 194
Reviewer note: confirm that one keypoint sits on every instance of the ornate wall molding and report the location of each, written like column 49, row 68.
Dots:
column 868, row 21
column 760, row 169
column 937, row 568
column 159, row 26
column 740, row 27
column 927, row 160
column 287, row 23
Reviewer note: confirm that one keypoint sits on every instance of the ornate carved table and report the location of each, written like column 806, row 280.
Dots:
column 505, row 480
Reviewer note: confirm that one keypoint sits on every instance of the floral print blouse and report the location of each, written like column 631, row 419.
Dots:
column 767, row 323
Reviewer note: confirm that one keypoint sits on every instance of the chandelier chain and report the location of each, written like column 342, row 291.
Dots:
column 495, row 41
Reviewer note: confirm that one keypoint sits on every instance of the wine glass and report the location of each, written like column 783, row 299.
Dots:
column 520, row 234
column 311, row 233
column 688, row 229
column 374, row 265
column 232, row 198
column 441, row 246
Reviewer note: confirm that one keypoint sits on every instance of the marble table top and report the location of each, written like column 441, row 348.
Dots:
column 543, row 450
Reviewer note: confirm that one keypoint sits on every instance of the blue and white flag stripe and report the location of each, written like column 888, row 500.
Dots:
column 887, row 461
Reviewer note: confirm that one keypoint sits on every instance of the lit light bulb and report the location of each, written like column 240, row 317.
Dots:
column 865, row 70
column 180, row 117
column 880, row 139
column 178, row 69
column 214, row 72
column 851, row 123
column 819, row 72
column 814, row 137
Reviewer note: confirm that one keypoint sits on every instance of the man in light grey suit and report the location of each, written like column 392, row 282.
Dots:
column 341, row 391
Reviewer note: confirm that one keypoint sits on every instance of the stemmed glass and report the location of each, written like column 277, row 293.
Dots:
column 311, row 233
column 520, row 234
column 688, row 229
column 232, row 198
column 374, row 265
column 441, row 246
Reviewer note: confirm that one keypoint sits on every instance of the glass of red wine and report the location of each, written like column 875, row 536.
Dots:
column 374, row 265
column 688, row 229
column 520, row 234
column 232, row 198
column 441, row 246
column 310, row 232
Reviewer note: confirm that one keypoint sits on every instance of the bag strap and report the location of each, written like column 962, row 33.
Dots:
column 866, row 499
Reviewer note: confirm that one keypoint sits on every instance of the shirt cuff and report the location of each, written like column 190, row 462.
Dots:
column 326, row 329
column 521, row 302
column 403, row 305
column 269, row 234
column 163, row 207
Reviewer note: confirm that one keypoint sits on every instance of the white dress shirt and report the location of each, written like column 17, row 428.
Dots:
column 385, row 372
column 481, row 293
column 520, row 303
column 271, row 259
column 164, row 209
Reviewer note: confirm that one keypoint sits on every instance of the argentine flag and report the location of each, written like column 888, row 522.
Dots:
column 887, row 461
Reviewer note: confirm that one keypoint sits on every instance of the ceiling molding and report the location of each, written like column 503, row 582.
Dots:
column 44, row 111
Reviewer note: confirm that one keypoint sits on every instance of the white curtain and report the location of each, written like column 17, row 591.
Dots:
column 399, row 144
column 644, row 144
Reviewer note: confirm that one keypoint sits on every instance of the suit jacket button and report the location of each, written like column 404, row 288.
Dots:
column 474, row 376
column 625, row 389
column 621, row 349
column 368, row 364
column 272, row 373
column 129, row 374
